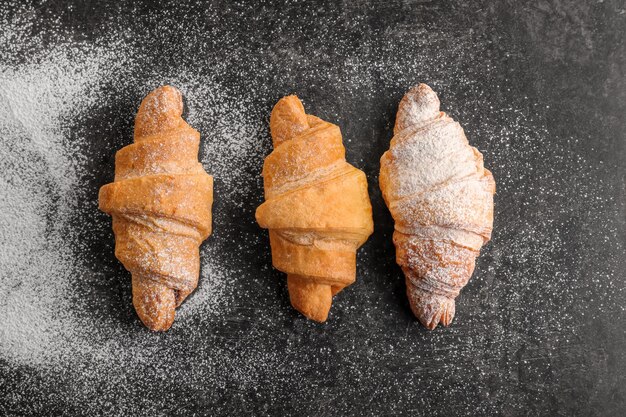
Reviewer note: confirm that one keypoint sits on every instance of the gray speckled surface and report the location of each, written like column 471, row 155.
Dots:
column 539, row 330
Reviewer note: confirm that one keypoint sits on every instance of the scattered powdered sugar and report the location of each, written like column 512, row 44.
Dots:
column 67, row 103
column 39, row 191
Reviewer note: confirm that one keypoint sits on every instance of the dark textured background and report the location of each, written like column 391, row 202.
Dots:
column 539, row 88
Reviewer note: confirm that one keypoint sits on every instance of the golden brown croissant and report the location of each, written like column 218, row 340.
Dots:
column 161, row 206
column 441, row 198
column 317, row 208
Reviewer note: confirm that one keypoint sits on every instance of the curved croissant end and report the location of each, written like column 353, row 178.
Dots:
column 288, row 120
column 155, row 303
column 311, row 299
column 418, row 106
column 430, row 309
column 160, row 111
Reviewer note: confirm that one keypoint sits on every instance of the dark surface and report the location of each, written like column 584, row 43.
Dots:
column 539, row 329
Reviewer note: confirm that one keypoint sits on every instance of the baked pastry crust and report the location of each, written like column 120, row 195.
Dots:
column 160, row 202
column 441, row 198
column 317, row 208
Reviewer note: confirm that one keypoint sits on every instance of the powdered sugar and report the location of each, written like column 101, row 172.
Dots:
column 70, row 342
column 40, row 177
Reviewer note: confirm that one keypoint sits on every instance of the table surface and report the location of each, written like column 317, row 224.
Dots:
column 539, row 89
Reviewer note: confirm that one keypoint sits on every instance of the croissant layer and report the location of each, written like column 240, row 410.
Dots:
column 160, row 202
column 317, row 208
column 441, row 198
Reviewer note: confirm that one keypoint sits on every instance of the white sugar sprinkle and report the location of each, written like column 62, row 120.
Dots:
column 63, row 320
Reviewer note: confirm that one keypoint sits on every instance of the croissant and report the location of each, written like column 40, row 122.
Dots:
column 160, row 202
column 317, row 208
column 441, row 198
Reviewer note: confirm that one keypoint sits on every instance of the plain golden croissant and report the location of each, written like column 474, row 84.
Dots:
column 441, row 198
column 161, row 206
column 317, row 208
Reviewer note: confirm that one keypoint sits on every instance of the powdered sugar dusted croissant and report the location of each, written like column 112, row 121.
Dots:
column 317, row 208
column 441, row 198
column 161, row 206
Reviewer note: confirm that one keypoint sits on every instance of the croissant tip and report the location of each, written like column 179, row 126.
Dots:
column 316, row 316
column 291, row 99
column 420, row 88
column 420, row 104
column 309, row 298
column 167, row 88
column 154, row 303
column 156, row 319
column 164, row 93
column 288, row 119
column 159, row 111
column 423, row 96
column 431, row 310
column 158, row 325
column 432, row 323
